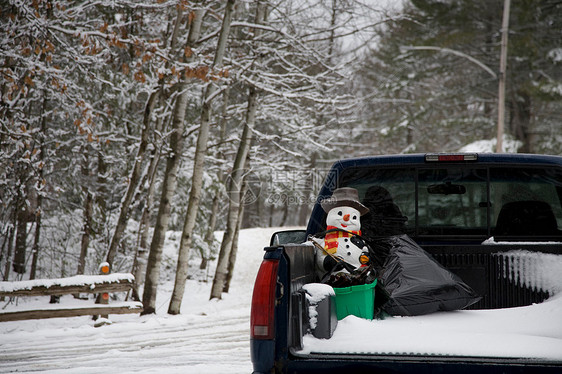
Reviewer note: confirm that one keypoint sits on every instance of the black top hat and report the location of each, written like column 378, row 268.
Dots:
column 344, row 196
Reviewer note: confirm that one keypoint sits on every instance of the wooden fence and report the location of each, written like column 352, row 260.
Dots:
column 99, row 284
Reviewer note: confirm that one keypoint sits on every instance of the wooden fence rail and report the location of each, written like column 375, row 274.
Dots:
column 118, row 282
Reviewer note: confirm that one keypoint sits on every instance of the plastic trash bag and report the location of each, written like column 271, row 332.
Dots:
column 415, row 282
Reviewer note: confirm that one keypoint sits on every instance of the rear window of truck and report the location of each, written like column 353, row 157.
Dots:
column 460, row 201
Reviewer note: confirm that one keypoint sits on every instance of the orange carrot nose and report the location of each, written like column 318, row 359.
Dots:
column 346, row 217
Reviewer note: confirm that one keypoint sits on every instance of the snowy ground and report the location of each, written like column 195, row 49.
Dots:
column 212, row 336
column 208, row 337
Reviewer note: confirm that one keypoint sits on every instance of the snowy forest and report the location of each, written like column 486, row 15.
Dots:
column 124, row 120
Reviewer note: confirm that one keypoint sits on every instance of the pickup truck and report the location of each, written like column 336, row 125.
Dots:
column 481, row 216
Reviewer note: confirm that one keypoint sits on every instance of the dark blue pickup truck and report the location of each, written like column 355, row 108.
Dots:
column 468, row 211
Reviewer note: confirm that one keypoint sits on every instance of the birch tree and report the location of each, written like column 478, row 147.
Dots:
column 134, row 179
column 198, row 166
column 170, row 177
column 235, row 190
column 141, row 256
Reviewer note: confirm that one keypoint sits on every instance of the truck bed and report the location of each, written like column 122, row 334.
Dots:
column 522, row 333
column 527, row 333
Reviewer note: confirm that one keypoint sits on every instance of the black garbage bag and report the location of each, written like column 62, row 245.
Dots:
column 416, row 283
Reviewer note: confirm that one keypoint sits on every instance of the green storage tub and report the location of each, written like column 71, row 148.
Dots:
column 356, row 300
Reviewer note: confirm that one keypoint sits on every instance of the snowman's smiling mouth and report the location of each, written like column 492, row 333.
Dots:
column 344, row 226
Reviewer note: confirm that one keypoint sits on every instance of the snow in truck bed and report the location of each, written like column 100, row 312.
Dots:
column 526, row 332
column 533, row 331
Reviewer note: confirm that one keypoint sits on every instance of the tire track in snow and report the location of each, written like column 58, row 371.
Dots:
column 85, row 350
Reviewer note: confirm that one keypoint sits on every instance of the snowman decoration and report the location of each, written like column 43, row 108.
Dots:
column 343, row 224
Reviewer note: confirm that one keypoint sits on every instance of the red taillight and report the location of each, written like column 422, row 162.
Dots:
column 442, row 157
column 263, row 301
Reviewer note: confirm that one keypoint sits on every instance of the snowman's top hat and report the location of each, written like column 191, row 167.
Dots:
column 344, row 196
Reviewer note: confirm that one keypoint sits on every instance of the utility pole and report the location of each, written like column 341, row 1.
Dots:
column 501, row 86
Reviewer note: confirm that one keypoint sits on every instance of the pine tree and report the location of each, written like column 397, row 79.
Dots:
column 433, row 78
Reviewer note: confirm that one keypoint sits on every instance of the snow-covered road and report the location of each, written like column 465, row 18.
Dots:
column 190, row 343
column 208, row 337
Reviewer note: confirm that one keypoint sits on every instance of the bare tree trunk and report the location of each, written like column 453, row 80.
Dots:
column 136, row 172
column 139, row 266
column 234, row 248
column 87, row 215
column 40, row 184
column 168, row 190
column 222, row 125
column 304, row 213
column 5, row 234
column 101, row 192
column 235, row 195
column 170, row 180
column 21, row 241
column 36, row 239
column 10, row 239
column 198, row 170
column 141, row 257
column 210, row 235
column 285, row 213
column 236, row 181
column 86, row 231
column 521, row 120
column 502, row 76
column 133, row 180
column 332, row 39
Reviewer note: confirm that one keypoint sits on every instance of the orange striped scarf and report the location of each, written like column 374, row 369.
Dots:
column 331, row 238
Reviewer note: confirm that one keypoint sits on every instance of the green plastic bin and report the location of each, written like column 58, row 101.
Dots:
column 356, row 300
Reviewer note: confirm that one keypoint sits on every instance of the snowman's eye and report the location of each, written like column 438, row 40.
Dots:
column 354, row 217
column 340, row 213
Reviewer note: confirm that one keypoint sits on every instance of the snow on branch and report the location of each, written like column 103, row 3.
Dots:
column 451, row 51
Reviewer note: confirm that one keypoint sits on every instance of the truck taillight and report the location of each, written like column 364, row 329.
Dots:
column 263, row 301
